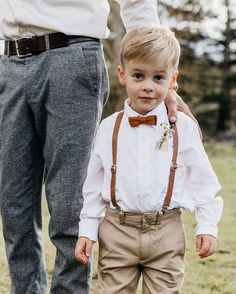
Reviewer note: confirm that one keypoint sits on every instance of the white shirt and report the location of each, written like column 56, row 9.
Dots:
column 26, row 18
column 143, row 171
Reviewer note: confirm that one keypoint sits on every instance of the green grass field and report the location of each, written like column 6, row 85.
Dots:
column 215, row 275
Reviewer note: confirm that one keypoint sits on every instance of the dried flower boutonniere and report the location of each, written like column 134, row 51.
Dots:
column 162, row 143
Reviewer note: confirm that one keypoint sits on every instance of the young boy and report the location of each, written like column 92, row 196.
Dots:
column 143, row 170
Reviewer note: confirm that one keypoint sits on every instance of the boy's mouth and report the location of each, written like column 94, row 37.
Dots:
column 147, row 97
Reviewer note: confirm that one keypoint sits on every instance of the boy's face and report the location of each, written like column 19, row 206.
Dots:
column 147, row 83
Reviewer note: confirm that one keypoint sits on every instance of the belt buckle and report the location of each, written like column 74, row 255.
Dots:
column 18, row 49
column 150, row 217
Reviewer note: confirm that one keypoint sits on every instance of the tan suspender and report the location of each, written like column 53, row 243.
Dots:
column 114, row 167
column 114, row 158
column 173, row 168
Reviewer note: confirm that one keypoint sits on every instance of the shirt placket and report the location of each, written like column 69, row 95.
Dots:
column 143, row 161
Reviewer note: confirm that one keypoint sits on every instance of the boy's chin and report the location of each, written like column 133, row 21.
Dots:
column 145, row 111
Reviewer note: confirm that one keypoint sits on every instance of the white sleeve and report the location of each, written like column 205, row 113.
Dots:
column 136, row 13
column 202, row 185
column 93, row 204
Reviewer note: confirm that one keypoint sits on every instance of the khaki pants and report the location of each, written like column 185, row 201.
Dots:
column 131, row 244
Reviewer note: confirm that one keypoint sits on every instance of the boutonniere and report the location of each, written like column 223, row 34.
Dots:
column 162, row 143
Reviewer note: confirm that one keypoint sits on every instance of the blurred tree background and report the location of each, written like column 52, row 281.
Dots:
column 207, row 81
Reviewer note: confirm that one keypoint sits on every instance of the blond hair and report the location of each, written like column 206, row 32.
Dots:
column 144, row 43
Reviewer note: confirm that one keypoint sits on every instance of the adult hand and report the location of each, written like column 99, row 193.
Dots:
column 83, row 249
column 205, row 245
column 175, row 103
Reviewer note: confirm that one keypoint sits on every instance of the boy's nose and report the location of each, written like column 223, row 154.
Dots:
column 148, row 87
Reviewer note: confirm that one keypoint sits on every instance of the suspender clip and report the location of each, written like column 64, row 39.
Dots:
column 164, row 210
column 173, row 166
column 122, row 217
column 113, row 169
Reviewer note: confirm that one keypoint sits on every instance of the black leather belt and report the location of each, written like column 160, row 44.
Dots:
column 37, row 44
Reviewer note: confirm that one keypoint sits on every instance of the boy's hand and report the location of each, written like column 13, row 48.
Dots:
column 205, row 245
column 83, row 249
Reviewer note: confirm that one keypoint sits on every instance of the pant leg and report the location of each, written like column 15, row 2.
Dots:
column 74, row 88
column 163, row 267
column 119, row 254
column 21, row 171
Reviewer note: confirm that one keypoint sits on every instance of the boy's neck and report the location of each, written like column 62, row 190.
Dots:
column 130, row 105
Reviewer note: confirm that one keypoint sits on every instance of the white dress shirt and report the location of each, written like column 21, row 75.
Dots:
column 26, row 18
column 143, row 171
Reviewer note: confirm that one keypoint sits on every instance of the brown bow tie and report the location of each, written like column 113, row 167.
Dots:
column 135, row 121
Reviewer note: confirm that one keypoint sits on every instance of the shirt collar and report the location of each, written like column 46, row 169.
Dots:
column 160, row 111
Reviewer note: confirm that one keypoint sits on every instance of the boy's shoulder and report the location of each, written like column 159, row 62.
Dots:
column 109, row 119
column 185, row 123
column 188, row 132
column 108, row 122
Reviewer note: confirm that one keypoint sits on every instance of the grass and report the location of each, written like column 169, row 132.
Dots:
column 215, row 275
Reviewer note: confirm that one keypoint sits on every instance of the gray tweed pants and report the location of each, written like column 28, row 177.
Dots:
column 50, row 106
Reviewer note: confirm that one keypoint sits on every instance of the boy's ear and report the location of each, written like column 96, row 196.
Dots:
column 121, row 75
column 173, row 82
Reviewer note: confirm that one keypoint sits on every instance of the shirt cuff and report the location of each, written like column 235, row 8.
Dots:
column 206, row 229
column 88, row 227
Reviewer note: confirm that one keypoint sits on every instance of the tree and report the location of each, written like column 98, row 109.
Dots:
column 197, row 81
column 112, row 49
column 227, row 46
column 206, row 82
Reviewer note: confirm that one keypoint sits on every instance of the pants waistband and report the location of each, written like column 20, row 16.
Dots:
column 37, row 44
column 150, row 218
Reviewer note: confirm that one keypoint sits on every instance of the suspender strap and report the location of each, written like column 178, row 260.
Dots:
column 173, row 168
column 114, row 158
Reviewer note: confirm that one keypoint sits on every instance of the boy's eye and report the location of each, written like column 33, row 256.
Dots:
column 138, row 76
column 159, row 77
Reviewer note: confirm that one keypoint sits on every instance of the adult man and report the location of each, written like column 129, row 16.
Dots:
column 53, row 84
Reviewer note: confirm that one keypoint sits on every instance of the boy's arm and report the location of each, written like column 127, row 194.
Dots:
column 202, row 185
column 93, row 204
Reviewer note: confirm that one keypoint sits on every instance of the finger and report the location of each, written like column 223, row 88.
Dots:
column 172, row 118
column 209, row 252
column 198, row 243
column 203, row 246
column 82, row 258
column 212, row 249
column 89, row 246
column 79, row 251
column 78, row 248
column 172, row 106
column 204, row 249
